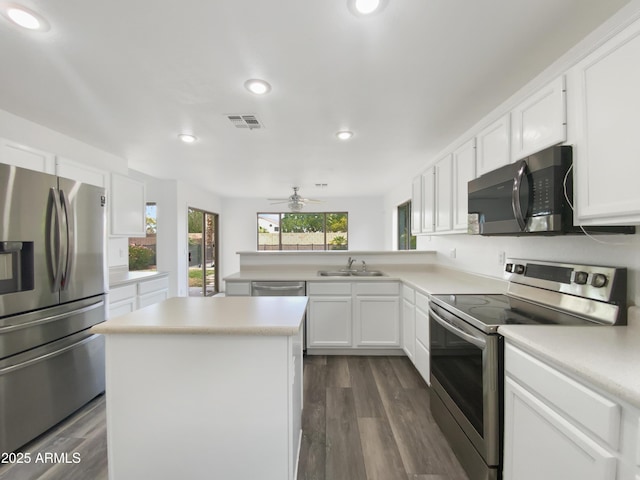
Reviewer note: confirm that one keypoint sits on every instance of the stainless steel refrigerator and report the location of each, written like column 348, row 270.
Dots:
column 52, row 237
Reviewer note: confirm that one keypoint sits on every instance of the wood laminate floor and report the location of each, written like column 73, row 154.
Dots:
column 365, row 418
column 84, row 434
column 368, row 418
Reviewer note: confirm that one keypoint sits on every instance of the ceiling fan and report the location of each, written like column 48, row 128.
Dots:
column 295, row 202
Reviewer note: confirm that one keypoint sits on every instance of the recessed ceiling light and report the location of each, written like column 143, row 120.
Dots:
column 24, row 17
column 187, row 138
column 259, row 87
column 365, row 7
column 344, row 135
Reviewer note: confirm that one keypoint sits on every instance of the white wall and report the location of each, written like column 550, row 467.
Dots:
column 173, row 199
column 239, row 231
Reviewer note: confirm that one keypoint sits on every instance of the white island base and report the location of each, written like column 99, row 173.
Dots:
column 215, row 405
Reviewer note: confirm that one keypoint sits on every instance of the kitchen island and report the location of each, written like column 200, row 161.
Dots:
column 205, row 388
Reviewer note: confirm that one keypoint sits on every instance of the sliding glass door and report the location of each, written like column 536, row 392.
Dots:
column 203, row 253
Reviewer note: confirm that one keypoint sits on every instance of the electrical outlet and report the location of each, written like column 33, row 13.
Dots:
column 502, row 256
column 452, row 253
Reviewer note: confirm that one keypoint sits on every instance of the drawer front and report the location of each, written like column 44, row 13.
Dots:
column 117, row 294
column 378, row 288
column 409, row 294
column 239, row 289
column 151, row 298
column 328, row 288
column 588, row 408
column 422, row 302
column 122, row 308
column 149, row 286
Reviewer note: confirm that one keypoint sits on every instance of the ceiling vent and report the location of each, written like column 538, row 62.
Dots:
column 245, row 121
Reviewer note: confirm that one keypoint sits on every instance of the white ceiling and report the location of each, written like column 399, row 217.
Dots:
column 128, row 76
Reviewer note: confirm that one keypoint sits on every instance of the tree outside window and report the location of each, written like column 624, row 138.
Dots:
column 142, row 250
column 303, row 231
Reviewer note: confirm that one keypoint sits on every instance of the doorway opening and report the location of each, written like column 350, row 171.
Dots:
column 203, row 253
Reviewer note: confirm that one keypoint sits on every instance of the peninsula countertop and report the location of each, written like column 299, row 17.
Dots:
column 429, row 278
column 264, row 316
column 606, row 357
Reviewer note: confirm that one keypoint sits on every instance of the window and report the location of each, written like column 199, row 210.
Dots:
column 406, row 241
column 303, row 231
column 142, row 250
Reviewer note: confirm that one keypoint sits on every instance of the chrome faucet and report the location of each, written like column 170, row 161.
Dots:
column 364, row 266
column 350, row 263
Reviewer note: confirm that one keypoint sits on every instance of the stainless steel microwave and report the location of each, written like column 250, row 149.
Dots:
column 531, row 196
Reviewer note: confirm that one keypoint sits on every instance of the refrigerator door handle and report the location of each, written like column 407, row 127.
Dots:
column 50, row 318
column 55, row 250
column 70, row 243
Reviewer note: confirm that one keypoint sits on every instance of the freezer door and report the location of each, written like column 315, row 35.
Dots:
column 41, row 387
column 83, row 212
column 26, row 331
column 27, row 220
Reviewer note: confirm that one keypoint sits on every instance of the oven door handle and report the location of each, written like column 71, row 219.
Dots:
column 472, row 339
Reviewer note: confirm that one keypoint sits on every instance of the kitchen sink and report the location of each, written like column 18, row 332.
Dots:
column 334, row 273
column 350, row 273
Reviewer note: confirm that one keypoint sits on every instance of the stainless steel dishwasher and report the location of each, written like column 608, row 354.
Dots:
column 283, row 289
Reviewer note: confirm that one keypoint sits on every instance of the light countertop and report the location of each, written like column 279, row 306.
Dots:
column 124, row 277
column 606, row 357
column 429, row 278
column 266, row 316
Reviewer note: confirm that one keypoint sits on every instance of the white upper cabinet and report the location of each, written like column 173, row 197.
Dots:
column 444, row 197
column 464, row 170
column 540, row 121
column 127, row 207
column 494, row 145
column 416, row 206
column 22, row 156
column 428, row 200
column 82, row 173
column 604, row 99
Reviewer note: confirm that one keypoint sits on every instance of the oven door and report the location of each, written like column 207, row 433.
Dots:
column 466, row 375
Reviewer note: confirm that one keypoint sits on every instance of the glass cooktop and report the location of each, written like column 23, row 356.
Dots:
column 495, row 310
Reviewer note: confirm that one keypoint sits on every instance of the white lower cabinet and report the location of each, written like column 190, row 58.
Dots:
column 126, row 298
column 422, row 362
column 409, row 322
column 540, row 443
column 122, row 300
column 557, row 427
column 378, row 321
column 329, row 323
column 353, row 315
column 329, row 316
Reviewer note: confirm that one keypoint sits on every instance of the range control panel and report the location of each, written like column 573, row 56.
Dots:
column 595, row 282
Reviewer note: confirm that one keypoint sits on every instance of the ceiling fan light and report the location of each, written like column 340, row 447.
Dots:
column 295, row 206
